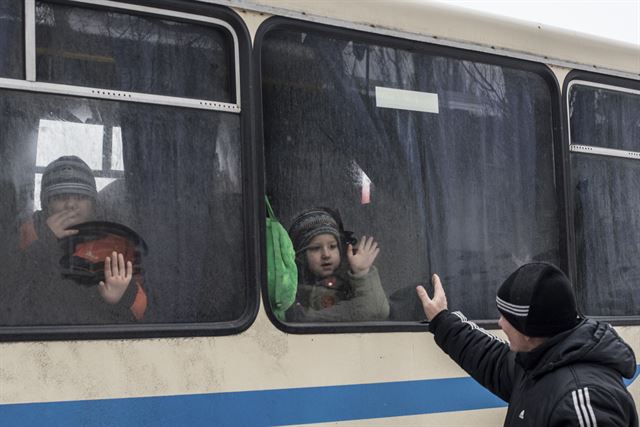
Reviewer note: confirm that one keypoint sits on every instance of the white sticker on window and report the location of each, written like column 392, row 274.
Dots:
column 411, row 100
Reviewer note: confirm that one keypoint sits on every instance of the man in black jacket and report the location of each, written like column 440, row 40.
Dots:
column 557, row 369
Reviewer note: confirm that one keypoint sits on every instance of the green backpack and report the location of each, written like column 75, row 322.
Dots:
column 282, row 273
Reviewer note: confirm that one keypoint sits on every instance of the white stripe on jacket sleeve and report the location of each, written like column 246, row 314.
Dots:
column 583, row 408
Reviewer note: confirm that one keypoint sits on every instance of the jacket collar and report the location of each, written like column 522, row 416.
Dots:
column 536, row 358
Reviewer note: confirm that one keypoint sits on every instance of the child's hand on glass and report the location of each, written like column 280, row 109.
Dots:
column 116, row 278
column 362, row 256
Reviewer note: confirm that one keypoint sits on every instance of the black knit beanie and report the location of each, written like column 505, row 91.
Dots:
column 538, row 300
column 67, row 175
column 310, row 224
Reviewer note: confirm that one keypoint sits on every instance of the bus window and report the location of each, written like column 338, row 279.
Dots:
column 11, row 39
column 167, row 176
column 605, row 160
column 446, row 158
column 113, row 50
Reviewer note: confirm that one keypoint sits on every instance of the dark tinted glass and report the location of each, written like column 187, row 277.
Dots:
column 11, row 39
column 172, row 175
column 466, row 191
column 604, row 118
column 127, row 52
column 607, row 200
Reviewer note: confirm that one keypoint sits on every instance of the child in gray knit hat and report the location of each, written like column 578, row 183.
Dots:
column 68, row 194
column 68, row 197
column 337, row 278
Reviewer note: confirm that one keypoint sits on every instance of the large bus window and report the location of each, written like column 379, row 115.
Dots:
column 171, row 175
column 605, row 143
column 121, row 51
column 156, row 179
column 12, row 39
column 446, row 159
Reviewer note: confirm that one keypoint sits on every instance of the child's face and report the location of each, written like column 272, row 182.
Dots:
column 323, row 255
column 79, row 207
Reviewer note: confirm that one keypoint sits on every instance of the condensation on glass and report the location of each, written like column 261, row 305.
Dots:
column 121, row 51
column 173, row 175
column 452, row 171
column 607, row 200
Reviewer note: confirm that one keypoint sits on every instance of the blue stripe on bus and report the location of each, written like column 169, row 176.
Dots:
column 264, row 407
column 261, row 408
column 628, row 382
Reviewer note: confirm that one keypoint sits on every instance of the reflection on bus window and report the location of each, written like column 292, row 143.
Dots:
column 165, row 182
column 113, row 50
column 607, row 200
column 449, row 147
column 171, row 175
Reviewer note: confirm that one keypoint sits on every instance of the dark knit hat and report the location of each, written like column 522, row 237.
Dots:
column 310, row 224
column 67, row 175
column 538, row 300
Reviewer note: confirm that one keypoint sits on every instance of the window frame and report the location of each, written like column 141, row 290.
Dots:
column 594, row 149
column 167, row 9
column 30, row 82
column 596, row 80
column 559, row 151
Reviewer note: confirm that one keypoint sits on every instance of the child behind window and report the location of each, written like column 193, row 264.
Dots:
column 68, row 198
column 337, row 281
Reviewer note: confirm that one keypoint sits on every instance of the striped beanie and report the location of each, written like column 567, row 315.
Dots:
column 538, row 300
column 67, row 175
column 310, row 224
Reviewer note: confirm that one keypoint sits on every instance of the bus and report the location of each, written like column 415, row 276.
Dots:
column 466, row 144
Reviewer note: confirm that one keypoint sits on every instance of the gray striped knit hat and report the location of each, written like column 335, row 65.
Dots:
column 538, row 300
column 67, row 175
column 310, row 224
